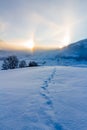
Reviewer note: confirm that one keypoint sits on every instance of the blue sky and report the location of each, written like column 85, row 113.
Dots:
column 49, row 22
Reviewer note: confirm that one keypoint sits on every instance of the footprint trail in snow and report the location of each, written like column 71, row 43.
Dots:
column 48, row 107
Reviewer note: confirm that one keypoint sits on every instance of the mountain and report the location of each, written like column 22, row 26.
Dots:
column 75, row 50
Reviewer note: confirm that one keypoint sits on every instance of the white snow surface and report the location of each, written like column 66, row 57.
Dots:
column 43, row 98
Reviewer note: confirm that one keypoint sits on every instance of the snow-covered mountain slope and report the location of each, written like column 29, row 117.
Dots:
column 19, row 54
column 76, row 49
column 48, row 57
column 43, row 98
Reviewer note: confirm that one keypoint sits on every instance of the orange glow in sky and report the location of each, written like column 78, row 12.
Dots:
column 28, row 24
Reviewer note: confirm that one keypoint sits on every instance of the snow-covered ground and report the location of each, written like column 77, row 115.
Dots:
column 43, row 98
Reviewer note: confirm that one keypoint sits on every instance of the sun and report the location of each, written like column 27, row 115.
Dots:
column 30, row 44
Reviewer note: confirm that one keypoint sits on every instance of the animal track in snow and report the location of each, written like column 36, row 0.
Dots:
column 48, row 104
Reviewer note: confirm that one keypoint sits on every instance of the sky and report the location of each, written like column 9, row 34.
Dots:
column 48, row 23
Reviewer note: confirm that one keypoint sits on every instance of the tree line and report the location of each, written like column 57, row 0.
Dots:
column 12, row 62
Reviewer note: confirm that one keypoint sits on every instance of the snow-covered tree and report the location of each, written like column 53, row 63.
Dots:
column 10, row 62
column 22, row 64
column 32, row 64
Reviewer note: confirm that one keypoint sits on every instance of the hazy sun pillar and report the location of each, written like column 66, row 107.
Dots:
column 66, row 39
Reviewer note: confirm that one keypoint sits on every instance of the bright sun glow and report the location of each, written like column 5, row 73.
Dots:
column 66, row 39
column 30, row 44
